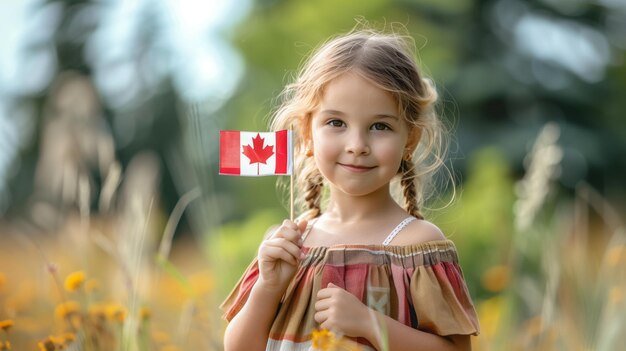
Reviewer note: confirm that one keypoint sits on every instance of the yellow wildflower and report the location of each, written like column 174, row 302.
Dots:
column 116, row 312
column 69, row 337
column 62, row 340
column 120, row 315
column 46, row 345
column 98, row 311
column 66, row 309
column 145, row 313
column 5, row 345
column 6, row 324
column 57, row 340
column 74, row 281
column 323, row 339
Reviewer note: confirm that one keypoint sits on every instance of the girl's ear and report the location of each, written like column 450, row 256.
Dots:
column 415, row 134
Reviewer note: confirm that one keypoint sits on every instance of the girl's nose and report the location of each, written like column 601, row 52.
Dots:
column 357, row 144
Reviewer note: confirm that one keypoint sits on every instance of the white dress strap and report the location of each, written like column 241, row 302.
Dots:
column 397, row 229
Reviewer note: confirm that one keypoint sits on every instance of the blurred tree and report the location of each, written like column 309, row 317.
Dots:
column 64, row 48
column 149, row 124
column 480, row 219
column 503, row 67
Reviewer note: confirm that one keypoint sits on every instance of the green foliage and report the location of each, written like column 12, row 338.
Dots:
column 235, row 244
column 480, row 219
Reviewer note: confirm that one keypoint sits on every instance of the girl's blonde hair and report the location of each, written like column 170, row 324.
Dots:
column 387, row 60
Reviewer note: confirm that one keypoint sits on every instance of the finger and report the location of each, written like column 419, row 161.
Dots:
column 320, row 317
column 292, row 248
column 302, row 225
column 273, row 253
column 294, row 236
column 322, row 305
column 290, row 224
column 331, row 285
column 286, row 225
column 289, row 233
column 287, row 246
column 324, row 294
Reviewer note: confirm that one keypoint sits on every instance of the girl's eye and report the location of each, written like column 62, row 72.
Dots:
column 335, row 123
column 380, row 126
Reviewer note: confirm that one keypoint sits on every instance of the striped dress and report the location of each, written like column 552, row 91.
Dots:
column 420, row 285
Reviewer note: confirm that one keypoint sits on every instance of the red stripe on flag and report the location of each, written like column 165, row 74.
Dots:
column 282, row 152
column 229, row 152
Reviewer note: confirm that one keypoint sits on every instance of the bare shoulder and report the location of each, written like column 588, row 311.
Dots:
column 417, row 232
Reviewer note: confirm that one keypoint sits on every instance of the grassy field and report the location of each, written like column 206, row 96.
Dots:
column 546, row 269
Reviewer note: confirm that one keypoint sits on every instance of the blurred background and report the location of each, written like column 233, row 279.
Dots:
column 109, row 120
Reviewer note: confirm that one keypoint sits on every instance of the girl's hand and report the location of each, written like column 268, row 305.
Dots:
column 341, row 312
column 279, row 256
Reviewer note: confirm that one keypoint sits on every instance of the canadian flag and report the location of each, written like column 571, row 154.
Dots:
column 254, row 153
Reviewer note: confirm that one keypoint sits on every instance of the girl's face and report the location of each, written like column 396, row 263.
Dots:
column 358, row 137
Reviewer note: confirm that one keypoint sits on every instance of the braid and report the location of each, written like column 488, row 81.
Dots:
column 313, row 193
column 408, row 188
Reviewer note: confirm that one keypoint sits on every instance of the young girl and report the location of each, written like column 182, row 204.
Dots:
column 361, row 265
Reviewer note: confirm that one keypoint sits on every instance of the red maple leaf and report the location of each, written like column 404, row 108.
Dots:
column 257, row 153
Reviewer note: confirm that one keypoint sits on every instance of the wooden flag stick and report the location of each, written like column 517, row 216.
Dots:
column 291, row 196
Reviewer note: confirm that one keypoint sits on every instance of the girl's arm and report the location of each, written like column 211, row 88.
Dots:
column 340, row 311
column 249, row 329
column 404, row 338
column 278, row 260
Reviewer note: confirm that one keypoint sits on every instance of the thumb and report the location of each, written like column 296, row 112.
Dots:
column 331, row 285
column 302, row 225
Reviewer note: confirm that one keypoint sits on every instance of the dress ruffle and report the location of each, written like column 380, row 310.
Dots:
column 419, row 285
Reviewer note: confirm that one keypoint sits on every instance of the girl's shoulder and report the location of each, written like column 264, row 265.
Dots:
column 418, row 232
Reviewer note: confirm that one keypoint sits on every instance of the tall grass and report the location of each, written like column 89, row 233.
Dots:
column 562, row 285
column 99, row 281
column 549, row 276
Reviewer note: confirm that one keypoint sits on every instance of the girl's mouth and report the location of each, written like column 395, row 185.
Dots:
column 356, row 168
